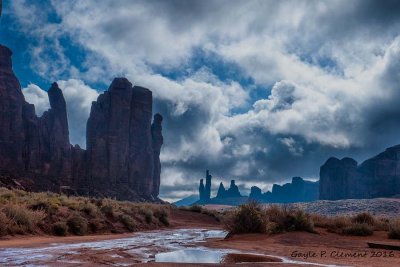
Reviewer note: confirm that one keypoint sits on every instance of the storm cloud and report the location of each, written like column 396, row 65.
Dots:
column 257, row 91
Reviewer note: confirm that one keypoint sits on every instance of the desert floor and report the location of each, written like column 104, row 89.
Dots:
column 321, row 248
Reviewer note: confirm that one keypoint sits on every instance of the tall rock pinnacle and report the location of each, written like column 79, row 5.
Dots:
column 158, row 140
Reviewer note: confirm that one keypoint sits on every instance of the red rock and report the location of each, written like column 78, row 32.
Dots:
column 123, row 148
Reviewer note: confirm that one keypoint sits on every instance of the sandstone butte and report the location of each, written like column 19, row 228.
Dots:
column 122, row 155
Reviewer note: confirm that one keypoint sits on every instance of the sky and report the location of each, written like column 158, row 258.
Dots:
column 256, row 91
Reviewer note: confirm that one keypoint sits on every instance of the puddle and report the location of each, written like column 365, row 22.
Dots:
column 204, row 255
column 191, row 256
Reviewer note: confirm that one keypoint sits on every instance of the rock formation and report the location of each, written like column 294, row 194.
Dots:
column 255, row 193
column 201, row 191
column 205, row 191
column 123, row 148
column 221, row 191
column 233, row 190
column 158, row 140
column 298, row 190
column 375, row 177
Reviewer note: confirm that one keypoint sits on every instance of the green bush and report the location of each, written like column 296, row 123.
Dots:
column 358, row 229
column 60, row 229
column 128, row 222
column 77, row 224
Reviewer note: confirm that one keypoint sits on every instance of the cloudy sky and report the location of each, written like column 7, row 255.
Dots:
column 257, row 91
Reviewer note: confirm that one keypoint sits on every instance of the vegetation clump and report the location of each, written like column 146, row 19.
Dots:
column 248, row 218
column 128, row 222
column 364, row 218
column 60, row 229
column 394, row 230
column 50, row 213
column 77, row 224
column 358, row 229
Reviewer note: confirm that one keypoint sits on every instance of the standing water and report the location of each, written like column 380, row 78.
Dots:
column 181, row 245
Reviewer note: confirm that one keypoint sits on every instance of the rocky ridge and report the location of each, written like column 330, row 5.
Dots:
column 374, row 178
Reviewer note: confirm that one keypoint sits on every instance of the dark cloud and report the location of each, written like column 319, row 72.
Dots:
column 329, row 73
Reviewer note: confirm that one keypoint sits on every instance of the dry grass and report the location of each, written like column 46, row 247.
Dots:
column 358, row 229
column 394, row 230
column 49, row 213
column 254, row 218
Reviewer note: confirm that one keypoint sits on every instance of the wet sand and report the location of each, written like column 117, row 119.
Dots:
column 324, row 248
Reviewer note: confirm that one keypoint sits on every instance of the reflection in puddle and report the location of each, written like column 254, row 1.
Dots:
column 192, row 256
column 204, row 255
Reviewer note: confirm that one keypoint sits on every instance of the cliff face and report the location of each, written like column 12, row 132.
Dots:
column 123, row 148
column 375, row 177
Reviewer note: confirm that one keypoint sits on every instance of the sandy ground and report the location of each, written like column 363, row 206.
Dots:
column 322, row 248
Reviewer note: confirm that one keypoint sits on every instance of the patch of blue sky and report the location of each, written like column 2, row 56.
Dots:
column 19, row 44
column 224, row 70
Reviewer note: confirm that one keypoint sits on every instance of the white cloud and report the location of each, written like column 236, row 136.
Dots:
column 78, row 97
column 35, row 95
column 328, row 71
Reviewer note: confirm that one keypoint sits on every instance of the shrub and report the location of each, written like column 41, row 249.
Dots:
column 77, row 224
column 283, row 219
column 128, row 222
column 7, row 196
column 108, row 210
column 60, row 229
column 148, row 216
column 358, row 229
column 163, row 215
column 3, row 224
column 89, row 209
column 96, row 225
column 248, row 218
column 336, row 224
column 23, row 217
column 363, row 218
column 394, row 230
column 382, row 224
column 50, row 205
